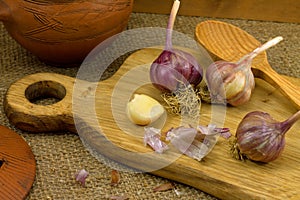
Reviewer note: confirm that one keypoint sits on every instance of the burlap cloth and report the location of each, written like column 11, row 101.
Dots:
column 60, row 155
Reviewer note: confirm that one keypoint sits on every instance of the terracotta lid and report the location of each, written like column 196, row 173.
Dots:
column 17, row 165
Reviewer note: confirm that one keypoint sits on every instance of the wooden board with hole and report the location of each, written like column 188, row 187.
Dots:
column 112, row 135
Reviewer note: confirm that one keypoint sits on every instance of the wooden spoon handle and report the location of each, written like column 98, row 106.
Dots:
column 290, row 90
column 26, row 115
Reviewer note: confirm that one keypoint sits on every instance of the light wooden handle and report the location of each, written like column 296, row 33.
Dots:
column 26, row 115
column 288, row 89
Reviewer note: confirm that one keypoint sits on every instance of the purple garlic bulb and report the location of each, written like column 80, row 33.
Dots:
column 233, row 83
column 261, row 138
column 230, row 82
column 174, row 67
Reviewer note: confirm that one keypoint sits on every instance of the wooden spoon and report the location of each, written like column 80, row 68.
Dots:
column 231, row 43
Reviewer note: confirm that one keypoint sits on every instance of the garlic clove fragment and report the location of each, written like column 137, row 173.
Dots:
column 143, row 109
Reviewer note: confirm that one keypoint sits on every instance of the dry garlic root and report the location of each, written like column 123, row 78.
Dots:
column 142, row 109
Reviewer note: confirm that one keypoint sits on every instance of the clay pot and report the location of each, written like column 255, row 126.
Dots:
column 63, row 32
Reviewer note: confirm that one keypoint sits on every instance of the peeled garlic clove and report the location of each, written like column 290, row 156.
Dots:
column 143, row 109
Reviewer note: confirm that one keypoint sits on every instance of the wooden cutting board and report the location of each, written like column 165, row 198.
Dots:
column 103, row 126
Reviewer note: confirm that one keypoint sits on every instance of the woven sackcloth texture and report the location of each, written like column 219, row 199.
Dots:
column 60, row 155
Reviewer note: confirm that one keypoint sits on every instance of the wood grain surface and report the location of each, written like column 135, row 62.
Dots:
column 17, row 165
column 106, row 130
column 269, row 10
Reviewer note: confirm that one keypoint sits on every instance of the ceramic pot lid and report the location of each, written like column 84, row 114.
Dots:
column 17, row 165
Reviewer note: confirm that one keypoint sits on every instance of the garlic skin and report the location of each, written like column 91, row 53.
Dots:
column 196, row 142
column 81, row 176
column 143, row 109
column 260, row 137
column 229, row 82
column 152, row 138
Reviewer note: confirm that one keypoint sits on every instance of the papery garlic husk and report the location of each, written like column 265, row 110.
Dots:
column 152, row 138
column 196, row 142
column 229, row 82
column 81, row 176
column 261, row 138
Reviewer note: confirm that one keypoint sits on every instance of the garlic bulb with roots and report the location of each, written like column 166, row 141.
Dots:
column 173, row 67
column 233, row 83
column 261, row 138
